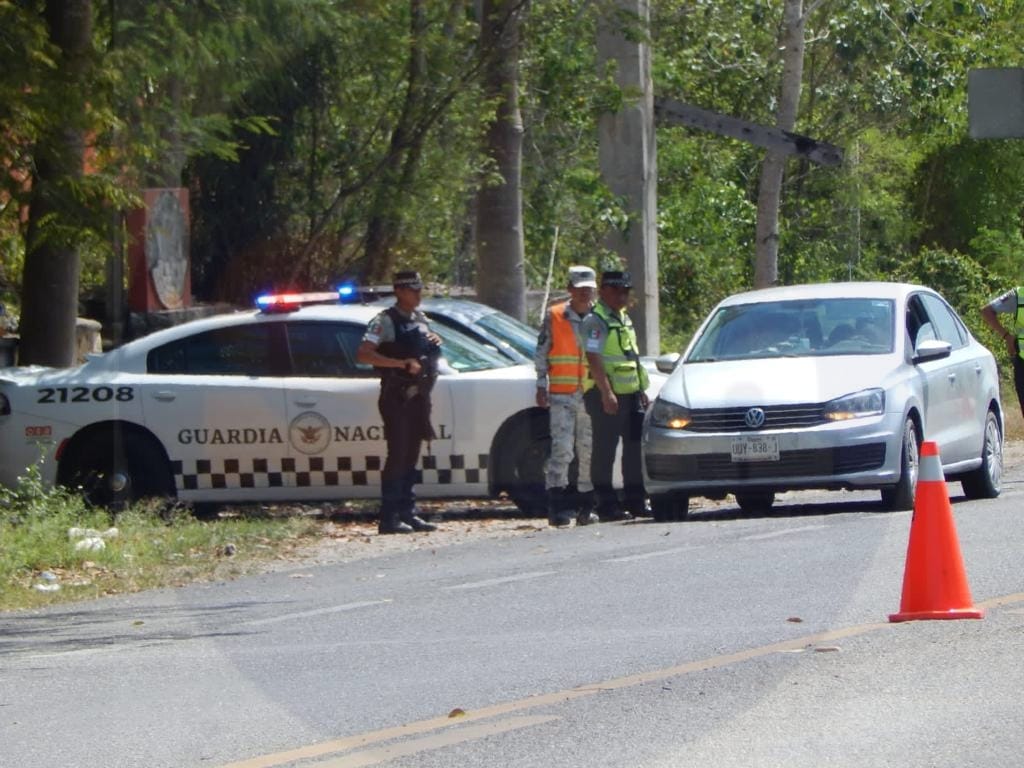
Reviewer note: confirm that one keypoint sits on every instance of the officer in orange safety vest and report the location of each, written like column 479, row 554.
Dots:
column 563, row 377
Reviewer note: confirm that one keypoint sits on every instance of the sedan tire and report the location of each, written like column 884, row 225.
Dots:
column 985, row 482
column 900, row 497
column 670, row 507
column 755, row 502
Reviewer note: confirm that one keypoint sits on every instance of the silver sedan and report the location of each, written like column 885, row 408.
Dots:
column 826, row 386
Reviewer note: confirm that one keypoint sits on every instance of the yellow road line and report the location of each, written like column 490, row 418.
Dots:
column 437, row 741
column 556, row 697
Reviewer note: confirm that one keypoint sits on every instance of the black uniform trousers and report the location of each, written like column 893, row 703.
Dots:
column 1018, row 376
column 404, row 431
column 607, row 430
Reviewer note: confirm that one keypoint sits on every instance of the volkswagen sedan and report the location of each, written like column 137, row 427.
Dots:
column 826, row 386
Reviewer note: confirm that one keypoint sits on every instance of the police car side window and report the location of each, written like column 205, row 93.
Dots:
column 244, row 350
column 326, row 349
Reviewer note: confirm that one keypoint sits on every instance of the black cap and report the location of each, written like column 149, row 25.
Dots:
column 616, row 279
column 407, row 279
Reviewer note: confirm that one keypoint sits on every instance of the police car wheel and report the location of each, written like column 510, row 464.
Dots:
column 528, row 449
column 113, row 469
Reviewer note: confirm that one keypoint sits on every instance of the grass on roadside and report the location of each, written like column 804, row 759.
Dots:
column 56, row 549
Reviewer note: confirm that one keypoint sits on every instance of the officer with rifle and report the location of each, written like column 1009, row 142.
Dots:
column 400, row 345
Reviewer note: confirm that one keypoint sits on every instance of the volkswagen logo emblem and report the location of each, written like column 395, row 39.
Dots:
column 754, row 418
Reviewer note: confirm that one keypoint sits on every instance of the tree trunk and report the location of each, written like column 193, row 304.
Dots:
column 501, row 269
column 383, row 230
column 766, row 263
column 50, row 283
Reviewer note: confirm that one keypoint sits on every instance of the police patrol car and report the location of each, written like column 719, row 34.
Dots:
column 266, row 405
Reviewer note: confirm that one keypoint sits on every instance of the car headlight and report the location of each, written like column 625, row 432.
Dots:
column 669, row 415
column 868, row 402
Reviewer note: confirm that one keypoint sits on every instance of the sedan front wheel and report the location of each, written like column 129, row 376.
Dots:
column 900, row 497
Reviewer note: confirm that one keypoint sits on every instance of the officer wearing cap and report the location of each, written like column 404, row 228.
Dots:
column 618, row 400
column 400, row 345
column 562, row 379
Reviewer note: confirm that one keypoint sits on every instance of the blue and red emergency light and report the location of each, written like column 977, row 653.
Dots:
column 345, row 293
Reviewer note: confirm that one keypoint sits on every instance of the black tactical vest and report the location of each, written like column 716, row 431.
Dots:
column 410, row 341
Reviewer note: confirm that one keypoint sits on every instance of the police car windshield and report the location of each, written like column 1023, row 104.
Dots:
column 519, row 335
column 464, row 354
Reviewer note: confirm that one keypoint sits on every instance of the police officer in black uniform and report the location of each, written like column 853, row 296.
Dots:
column 400, row 345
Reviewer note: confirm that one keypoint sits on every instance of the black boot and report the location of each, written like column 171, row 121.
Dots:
column 389, row 523
column 558, row 517
column 585, row 509
column 415, row 522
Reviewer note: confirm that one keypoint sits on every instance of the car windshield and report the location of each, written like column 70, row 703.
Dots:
column 464, row 354
column 519, row 335
column 797, row 328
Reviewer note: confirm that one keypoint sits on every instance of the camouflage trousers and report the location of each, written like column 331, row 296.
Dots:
column 570, row 435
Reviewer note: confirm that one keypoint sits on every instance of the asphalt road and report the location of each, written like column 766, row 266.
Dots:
column 722, row 641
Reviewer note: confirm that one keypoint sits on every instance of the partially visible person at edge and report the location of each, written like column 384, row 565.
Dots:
column 562, row 379
column 400, row 345
column 1009, row 304
column 617, row 402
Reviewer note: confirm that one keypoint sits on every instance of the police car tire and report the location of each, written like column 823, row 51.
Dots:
column 138, row 458
column 529, row 444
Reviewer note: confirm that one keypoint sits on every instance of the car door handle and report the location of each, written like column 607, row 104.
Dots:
column 164, row 396
column 952, row 378
column 305, row 403
column 978, row 369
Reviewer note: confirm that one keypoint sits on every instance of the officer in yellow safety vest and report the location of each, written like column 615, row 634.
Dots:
column 618, row 400
column 1009, row 304
column 562, row 379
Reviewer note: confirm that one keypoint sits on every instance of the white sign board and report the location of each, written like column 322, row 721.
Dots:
column 995, row 103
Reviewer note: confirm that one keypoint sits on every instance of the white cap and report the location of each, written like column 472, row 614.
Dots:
column 582, row 277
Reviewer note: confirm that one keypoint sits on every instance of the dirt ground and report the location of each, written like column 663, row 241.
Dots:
column 347, row 538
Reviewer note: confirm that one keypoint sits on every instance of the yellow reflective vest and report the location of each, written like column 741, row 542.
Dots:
column 621, row 354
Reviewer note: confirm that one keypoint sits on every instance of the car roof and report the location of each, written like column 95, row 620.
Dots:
column 849, row 290
column 355, row 313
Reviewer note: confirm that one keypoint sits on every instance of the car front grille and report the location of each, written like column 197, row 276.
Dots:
column 775, row 417
column 713, row 467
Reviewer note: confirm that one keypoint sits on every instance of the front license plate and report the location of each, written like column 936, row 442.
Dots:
column 755, row 448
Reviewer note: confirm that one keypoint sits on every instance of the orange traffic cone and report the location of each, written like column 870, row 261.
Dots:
column 934, row 582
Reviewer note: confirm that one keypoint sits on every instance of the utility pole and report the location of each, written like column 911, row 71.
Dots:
column 628, row 160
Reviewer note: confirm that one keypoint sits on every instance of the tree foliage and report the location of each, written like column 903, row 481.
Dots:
column 306, row 130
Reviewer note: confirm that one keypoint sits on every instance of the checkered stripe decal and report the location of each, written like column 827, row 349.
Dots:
column 319, row 471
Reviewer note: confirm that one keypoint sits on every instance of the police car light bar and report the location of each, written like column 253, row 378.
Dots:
column 289, row 302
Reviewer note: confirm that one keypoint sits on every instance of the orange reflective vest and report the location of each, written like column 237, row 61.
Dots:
column 567, row 362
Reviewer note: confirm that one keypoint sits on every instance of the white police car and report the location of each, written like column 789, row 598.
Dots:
column 266, row 405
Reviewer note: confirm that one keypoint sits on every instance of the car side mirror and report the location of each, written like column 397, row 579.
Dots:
column 931, row 349
column 667, row 363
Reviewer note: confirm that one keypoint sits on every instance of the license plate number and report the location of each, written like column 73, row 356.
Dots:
column 755, row 448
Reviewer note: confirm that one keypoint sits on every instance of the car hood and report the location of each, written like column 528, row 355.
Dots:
column 25, row 374
column 736, row 383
